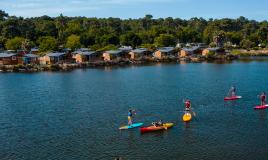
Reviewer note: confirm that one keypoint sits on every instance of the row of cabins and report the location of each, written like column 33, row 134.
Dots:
column 14, row 59
column 86, row 55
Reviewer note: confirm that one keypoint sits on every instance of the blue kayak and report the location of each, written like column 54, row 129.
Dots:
column 134, row 125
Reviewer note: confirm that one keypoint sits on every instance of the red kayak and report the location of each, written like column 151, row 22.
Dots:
column 156, row 128
column 232, row 98
column 261, row 107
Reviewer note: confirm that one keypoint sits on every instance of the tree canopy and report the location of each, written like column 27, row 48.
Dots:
column 49, row 33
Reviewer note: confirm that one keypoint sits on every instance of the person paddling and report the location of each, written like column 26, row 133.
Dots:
column 263, row 98
column 130, row 116
column 187, row 105
column 232, row 91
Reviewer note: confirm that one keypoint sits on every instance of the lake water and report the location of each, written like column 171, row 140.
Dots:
column 76, row 115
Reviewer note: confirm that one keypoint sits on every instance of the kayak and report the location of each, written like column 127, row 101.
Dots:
column 134, row 125
column 187, row 117
column 232, row 98
column 261, row 107
column 154, row 128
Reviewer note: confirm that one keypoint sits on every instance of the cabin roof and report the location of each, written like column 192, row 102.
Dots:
column 191, row 49
column 114, row 51
column 31, row 55
column 83, row 49
column 55, row 54
column 88, row 53
column 35, row 49
column 6, row 55
column 166, row 49
column 213, row 49
column 140, row 50
column 125, row 48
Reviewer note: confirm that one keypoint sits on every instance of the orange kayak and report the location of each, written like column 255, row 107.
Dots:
column 156, row 128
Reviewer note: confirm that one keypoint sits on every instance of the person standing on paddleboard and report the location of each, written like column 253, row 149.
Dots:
column 187, row 105
column 130, row 116
column 233, row 91
column 263, row 98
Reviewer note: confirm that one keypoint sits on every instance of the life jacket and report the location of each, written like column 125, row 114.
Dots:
column 187, row 104
column 130, row 114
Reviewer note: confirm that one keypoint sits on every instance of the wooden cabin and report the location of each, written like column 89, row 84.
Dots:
column 112, row 55
column 85, row 56
column 139, row 53
column 164, row 52
column 213, row 51
column 53, row 58
column 30, row 59
column 185, row 52
column 8, row 59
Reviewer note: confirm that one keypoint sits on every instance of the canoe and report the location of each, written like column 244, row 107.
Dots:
column 187, row 117
column 154, row 128
column 134, row 125
column 261, row 107
column 232, row 98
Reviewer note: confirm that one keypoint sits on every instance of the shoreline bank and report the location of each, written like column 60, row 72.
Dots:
column 99, row 64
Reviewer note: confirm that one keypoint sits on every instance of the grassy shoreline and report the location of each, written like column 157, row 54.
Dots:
column 250, row 52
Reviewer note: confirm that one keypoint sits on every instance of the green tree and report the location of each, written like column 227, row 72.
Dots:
column 3, row 15
column 14, row 43
column 73, row 42
column 47, row 43
column 188, row 34
column 246, row 44
column 130, row 39
column 165, row 40
column 2, row 42
column 61, row 25
column 87, row 39
column 219, row 38
column 150, row 47
column 108, row 47
column 109, row 39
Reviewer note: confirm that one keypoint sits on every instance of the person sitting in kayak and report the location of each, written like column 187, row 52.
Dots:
column 130, row 116
column 187, row 105
column 263, row 98
column 157, row 124
column 232, row 91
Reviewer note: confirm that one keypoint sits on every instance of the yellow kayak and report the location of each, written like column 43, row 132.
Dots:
column 187, row 117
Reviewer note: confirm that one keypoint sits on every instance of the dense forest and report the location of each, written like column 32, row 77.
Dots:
column 54, row 33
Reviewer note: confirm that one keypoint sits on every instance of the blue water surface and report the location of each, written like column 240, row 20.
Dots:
column 76, row 115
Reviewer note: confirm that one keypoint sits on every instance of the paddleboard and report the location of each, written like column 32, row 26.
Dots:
column 261, row 107
column 134, row 125
column 187, row 117
column 232, row 98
